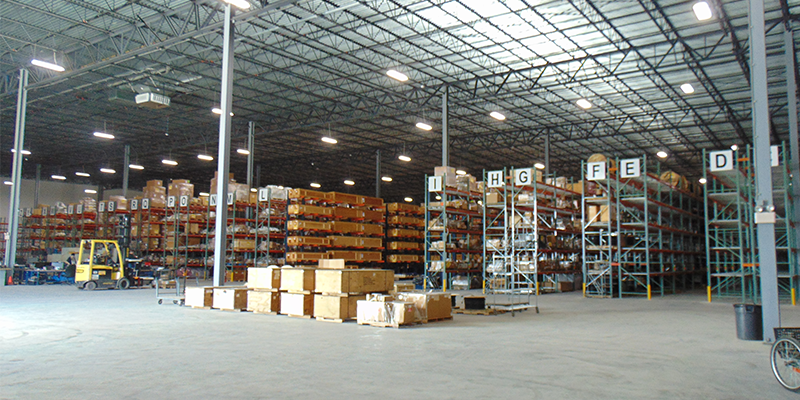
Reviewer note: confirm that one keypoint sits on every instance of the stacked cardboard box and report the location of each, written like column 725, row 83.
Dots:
column 337, row 291
column 180, row 187
column 406, row 224
column 156, row 192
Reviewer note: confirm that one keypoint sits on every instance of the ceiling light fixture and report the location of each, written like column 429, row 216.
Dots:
column 243, row 152
column 330, row 140
column 218, row 111
column 584, row 104
column 24, row 152
column 254, row 190
column 702, row 181
column 205, row 157
column 167, row 161
column 108, row 171
column 83, row 174
column 59, row 177
column 348, row 182
column 90, row 191
column 315, row 185
column 8, row 183
column 538, row 165
column 496, row 115
column 424, row 126
column 733, row 147
column 104, row 135
column 461, row 172
column 687, row 88
column 136, row 166
column 203, row 194
column 403, row 157
column 702, row 10
column 662, row 154
column 45, row 64
column 438, row 197
column 242, row 4
column 386, row 178
column 397, row 75
column 408, row 199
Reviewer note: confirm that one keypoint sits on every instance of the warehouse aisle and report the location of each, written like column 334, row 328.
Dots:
column 58, row 342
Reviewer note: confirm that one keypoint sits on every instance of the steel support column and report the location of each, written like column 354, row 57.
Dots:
column 251, row 133
column 791, row 101
column 445, row 138
column 16, row 174
column 377, row 173
column 226, row 99
column 761, row 140
column 547, row 155
column 37, row 185
column 126, row 170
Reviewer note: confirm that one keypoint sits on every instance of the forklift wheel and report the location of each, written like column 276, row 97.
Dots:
column 91, row 285
column 174, row 301
column 159, row 301
column 123, row 284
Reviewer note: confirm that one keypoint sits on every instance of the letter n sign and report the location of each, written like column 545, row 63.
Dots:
column 720, row 160
column 595, row 171
column 630, row 168
column 494, row 179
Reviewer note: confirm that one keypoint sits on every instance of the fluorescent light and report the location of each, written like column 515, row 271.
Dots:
column 242, row 4
column 461, row 172
column 203, row 194
column 243, row 151
column 397, row 75
column 733, row 147
column 45, row 64
column 315, row 185
column 538, row 165
column 702, row 11
column 702, row 181
column 404, row 158
column 584, row 104
column 167, row 161
column 103, row 135
column 408, row 199
column 438, row 197
column 424, row 126
column 386, row 178
column 254, row 190
column 108, row 171
column 205, row 157
column 687, row 88
column 135, row 166
column 496, row 115
column 83, row 174
column 348, row 182
column 8, row 183
column 24, row 152
column 59, row 177
column 90, row 191
column 662, row 154
column 218, row 111
column 330, row 140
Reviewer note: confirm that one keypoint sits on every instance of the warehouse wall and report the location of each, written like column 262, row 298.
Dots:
column 49, row 193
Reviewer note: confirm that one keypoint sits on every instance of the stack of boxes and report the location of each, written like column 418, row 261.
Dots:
column 156, row 192
column 296, row 293
column 265, row 297
column 337, row 291
column 357, row 226
column 405, row 227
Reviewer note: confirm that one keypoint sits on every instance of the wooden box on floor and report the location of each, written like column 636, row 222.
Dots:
column 297, row 279
column 431, row 306
column 297, row 304
column 336, row 308
column 387, row 314
column 199, row 297
column 264, row 301
column 353, row 280
column 230, row 298
column 264, row 278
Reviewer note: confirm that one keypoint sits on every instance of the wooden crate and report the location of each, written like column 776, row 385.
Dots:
column 244, row 244
column 230, row 298
column 345, row 227
column 302, row 209
column 371, row 243
column 264, row 278
column 309, row 241
column 405, row 246
column 298, row 225
column 371, row 201
column 375, row 216
column 372, row 229
column 264, row 301
column 403, row 207
column 199, row 297
column 346, row 255
column 332, row 264
column 337, row 308
column 237, row 275
column 397, row 232
column 297, row 256
column 343, row 198
column 297, row 279
column 386, row 314
column 348, row 213
column 297, row 304
column 400, row 258
column 353, row 281
column 369, row 256
column 306, row 194
column 403, row 220
column 344, row 241
column 402, row 287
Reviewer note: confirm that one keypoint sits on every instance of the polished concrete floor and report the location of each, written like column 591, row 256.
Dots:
column 58, row 342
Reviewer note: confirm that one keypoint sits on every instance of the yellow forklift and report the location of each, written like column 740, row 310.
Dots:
column 104, row 263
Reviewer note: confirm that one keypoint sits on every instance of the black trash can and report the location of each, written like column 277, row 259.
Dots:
column 748, row 322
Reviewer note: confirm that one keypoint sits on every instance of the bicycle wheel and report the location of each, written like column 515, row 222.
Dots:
column 785, row 361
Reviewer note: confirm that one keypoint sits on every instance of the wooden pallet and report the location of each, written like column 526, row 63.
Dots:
column 488, row 311
column 298, row 316
column 232, row 309
column 336, row 320
column 265, row 313
column 201, row 307
column 383, row 325
column 439, row 319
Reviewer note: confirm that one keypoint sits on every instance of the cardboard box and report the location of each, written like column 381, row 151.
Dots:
column 607, row 214
column 394, row 314
column 332, row 264
column 230, row 298
column 353, row 281
column 264, row 301
column 298, row 304
column 494, row 198
column 431, row 306
column 264, row 278
column 297, row 279
column 199, row 296
column 244, row 244
column 449, row 173
column 336, row 307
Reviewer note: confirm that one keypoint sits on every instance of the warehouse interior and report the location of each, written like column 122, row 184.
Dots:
column 535, row 187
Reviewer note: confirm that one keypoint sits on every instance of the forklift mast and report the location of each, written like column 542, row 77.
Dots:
column 123, row 235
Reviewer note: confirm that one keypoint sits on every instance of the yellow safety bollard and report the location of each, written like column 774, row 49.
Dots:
column 537, row 288
column 484, row 286
column 709, row 294
column 794, row 298
column 444, row 285
column 649, row 294
column 584, row 289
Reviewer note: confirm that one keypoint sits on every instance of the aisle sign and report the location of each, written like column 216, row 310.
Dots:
column 71, row 209
column 523, row 177
column 134, row 204
column 212, row 200
column 595, row 171
column 263, row 194
column 101, row 207
column 112, row 205
column 630, row 168
column 145, row 204
column 720, row 160
column 775, row 156
column 44, row 211
column 53, row 210
column 230, row 199
column 27, row 212
column 435, row 183
column 171, row 201
column 79, row 209
column 494, row 179
column 184, row 201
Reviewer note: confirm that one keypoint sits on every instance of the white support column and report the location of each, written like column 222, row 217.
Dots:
column 791, row 101
column 765, row 232
column 377, row 173
column 16, row 174
column 547, row 155
column 251, row 138
column 126, row 171
column 226, row 100
column 445, row 138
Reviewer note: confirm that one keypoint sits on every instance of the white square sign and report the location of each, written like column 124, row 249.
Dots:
column 595, row 171
column 720, row 160
column 523, row 177
column 494, row 179
column 630, row 168
column 435, row 183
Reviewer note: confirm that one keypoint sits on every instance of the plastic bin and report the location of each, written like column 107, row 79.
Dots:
column 748, row 322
